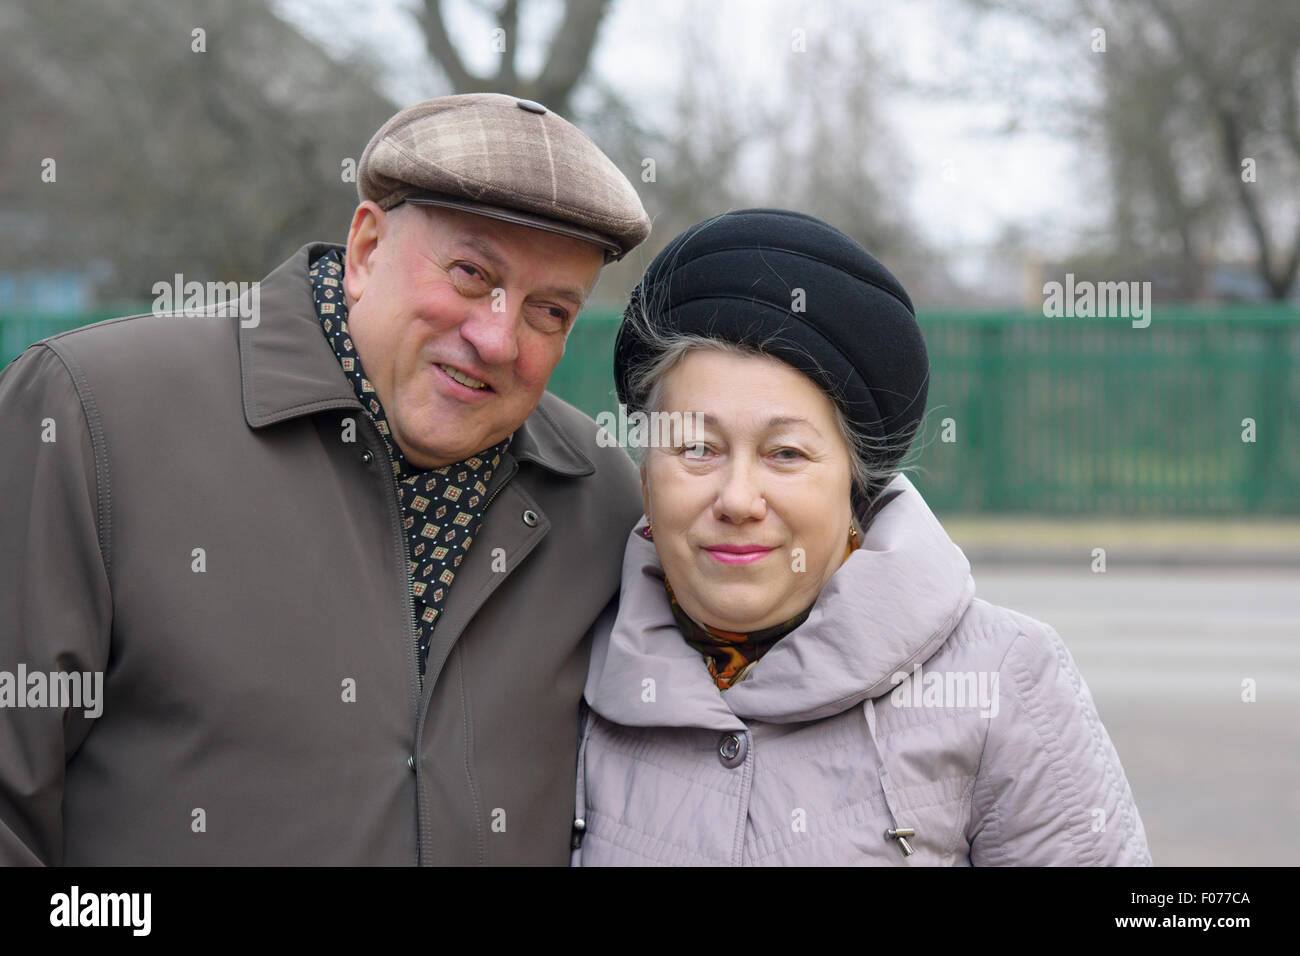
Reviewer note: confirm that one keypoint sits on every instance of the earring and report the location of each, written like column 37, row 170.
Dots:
column 646, row 533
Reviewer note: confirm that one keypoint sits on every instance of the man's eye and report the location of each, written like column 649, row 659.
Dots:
column 695, row 450
column 549, row 318
column 470, row 271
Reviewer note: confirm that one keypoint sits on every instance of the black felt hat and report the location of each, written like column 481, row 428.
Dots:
column 808, row 295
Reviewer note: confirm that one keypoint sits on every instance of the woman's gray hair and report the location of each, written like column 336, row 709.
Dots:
column 872, row 463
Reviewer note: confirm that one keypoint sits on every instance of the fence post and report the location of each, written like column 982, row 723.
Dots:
column 1270, row 418
column 993, row 484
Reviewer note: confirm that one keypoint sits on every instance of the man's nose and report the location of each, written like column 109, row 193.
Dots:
column 492, row 328
column 741, row 496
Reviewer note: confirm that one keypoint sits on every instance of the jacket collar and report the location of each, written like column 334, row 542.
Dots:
column 890, row 606
column 289, row 369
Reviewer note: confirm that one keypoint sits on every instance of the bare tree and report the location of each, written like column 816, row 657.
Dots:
column 186, row 137
column 567, row 58
column 1195, row 108
column 1244, row 67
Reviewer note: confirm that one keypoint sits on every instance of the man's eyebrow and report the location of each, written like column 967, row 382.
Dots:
column 573, row 296
column 485, row 249
column 775, row 421
column 489, row 252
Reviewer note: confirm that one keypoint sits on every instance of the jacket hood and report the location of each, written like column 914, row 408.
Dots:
column 887, row 608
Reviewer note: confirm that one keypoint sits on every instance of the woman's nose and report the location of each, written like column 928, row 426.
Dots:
column 491, row 328
column 741, row 496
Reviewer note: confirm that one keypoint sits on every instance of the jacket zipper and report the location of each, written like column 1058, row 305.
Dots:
column 404, row 556
column 419, row 714
column 410, row 598
column 504, row 481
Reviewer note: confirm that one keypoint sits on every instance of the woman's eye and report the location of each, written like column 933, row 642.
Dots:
column 788, row 454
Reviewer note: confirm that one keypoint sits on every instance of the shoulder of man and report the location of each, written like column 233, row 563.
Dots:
column 140, row 349
column 603, row 479
column 581, row 433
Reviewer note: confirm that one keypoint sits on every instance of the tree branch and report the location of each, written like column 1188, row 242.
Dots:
column 444, row 52
column 570, row 52
column 1222, row 103
column 508, row 17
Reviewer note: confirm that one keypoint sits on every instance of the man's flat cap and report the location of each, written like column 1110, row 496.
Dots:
column 507, row 158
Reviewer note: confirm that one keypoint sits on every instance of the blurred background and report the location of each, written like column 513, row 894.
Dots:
column 1138, row 487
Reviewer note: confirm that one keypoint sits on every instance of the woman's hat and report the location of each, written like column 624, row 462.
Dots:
column 805, row 292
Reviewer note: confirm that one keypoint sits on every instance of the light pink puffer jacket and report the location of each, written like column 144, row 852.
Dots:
column 902, row 703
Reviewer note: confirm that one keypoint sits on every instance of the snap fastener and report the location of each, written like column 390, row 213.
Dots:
column 367, row 457
column 732, row 750
column 531, row 105
column 530, row 518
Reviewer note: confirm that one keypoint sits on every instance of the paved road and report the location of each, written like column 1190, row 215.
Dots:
column 1165, row 652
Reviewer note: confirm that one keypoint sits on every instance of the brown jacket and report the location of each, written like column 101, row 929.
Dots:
column 260, row 701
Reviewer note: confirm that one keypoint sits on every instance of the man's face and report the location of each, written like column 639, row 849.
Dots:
column 459, row 321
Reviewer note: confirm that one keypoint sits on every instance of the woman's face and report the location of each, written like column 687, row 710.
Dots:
column 751, row 514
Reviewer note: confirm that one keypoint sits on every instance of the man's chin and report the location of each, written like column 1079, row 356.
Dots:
column 434, row 452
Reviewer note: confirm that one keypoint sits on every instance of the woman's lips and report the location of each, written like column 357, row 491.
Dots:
column 738, row 554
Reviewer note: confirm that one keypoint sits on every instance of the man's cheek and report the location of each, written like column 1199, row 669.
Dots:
column 535, row 366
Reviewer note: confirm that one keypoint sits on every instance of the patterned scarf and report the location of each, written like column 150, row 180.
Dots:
column 731, row 655
column 441, row 511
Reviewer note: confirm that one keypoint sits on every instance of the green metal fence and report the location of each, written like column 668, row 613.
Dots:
column 1053, row 416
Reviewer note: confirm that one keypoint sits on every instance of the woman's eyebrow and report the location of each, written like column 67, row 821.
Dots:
column 775, row 421
column 780, row 420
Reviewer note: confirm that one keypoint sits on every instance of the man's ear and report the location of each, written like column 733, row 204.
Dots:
column 370, row 225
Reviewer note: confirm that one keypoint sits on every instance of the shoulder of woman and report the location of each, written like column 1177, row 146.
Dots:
column 988, row 632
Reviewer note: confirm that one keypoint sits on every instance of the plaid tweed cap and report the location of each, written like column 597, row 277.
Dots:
column 506, row 158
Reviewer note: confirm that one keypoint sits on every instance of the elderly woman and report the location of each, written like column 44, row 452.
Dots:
column 799, row 671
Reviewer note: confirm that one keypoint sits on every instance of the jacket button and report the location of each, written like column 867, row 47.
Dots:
column 367, row 457
column 410, row 762
column 732, row 750
column 530, row 518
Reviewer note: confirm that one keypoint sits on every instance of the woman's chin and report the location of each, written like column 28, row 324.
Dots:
column 737, row 615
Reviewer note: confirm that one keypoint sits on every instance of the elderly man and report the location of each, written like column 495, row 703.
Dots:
column 331, row 574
